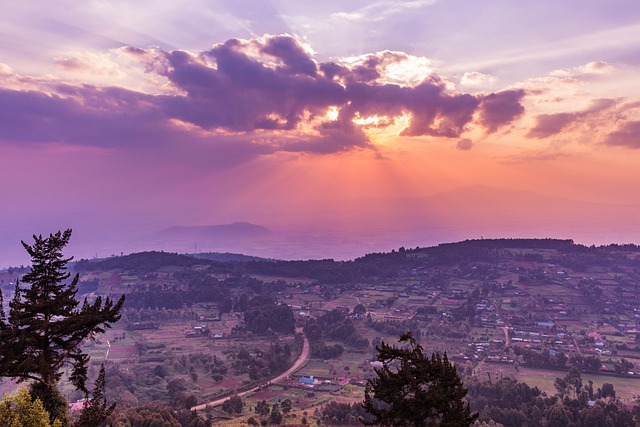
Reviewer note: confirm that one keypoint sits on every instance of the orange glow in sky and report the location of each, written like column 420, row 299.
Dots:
column 331, row 117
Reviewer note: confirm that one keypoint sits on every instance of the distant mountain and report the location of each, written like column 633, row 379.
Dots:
column 237, row 230
column 346, row 229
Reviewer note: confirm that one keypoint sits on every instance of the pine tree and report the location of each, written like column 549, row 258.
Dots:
column 412, row 389
column 45, row 327
column 95, row 410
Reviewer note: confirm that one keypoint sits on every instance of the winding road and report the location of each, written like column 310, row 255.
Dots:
column 302, row 359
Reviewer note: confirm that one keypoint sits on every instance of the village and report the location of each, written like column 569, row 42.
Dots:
column 526, row 313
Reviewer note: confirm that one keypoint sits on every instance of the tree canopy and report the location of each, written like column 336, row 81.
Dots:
column 46, row 324
column 412, row 389
column 95, row 410
column 20, row 410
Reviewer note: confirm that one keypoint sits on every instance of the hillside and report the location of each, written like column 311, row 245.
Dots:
column 196, row 330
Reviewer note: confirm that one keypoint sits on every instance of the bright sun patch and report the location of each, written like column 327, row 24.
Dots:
column 382, row 130
column 332, row 113
column 371, row 121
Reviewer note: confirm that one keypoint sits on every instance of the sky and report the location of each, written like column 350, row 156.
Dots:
column 342, row 127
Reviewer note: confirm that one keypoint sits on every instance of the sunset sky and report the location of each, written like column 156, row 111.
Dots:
column 335, row 118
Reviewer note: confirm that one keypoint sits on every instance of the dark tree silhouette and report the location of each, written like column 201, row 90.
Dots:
column 359, row 310
column 233, row 405
column 262, row 408
column 411, row 389
column 95, row 410
column 46, row 325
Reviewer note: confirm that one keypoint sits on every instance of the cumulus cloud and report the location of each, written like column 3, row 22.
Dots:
column 87, row 115
column 498, row 109
column 385, row 67
column 269, row 89
column 584, row 71
column 551, row 124
column 295, row 58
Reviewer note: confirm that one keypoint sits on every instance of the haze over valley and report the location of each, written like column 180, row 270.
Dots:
column 348, row 229
column 277, row 188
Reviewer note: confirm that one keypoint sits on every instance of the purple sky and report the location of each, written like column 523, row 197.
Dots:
column 122, row 118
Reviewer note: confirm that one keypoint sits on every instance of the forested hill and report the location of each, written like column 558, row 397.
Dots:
column 558, row 244
column 193, row 329
column 397, row 263
column 228, row 257
column 371, row 267
column 142, row 261
column 152, row 260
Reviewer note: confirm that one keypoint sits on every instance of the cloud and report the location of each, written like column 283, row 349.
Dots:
column 242, row 94
column 273, row 83
column 499, row 109
column 295, row 58
column 551, row 124
column 89, row 63
column 384, row 67
column 71, row 63
column 103, row 117
column 475, row 79
column 381, row 10
column 585, row 71
column 269, row 90
column 464, row 144
column 627, row 135
column 5, row 70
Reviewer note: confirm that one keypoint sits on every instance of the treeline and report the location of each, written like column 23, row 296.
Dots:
column 140, row 262
column 504, row 402
column 512, row 244
column 396, row 327
column 515, row 404
column 152, row 299
column 340, row 414
column 262, row 364
column 154, row 415
column 333, row 325
column 169, row 380
column 209, row 289
column 370, row 266
column 199, row 289
column 263, row 314
column 228, row 257
column 558, row 360
column 375, row 266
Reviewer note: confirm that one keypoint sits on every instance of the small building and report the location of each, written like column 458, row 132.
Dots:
column 308, row 381
column 78, row 405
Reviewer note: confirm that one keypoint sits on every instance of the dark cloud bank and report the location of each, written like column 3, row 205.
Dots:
column 268, row 93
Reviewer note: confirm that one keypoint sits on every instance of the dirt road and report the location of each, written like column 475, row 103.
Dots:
column 302, row 359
